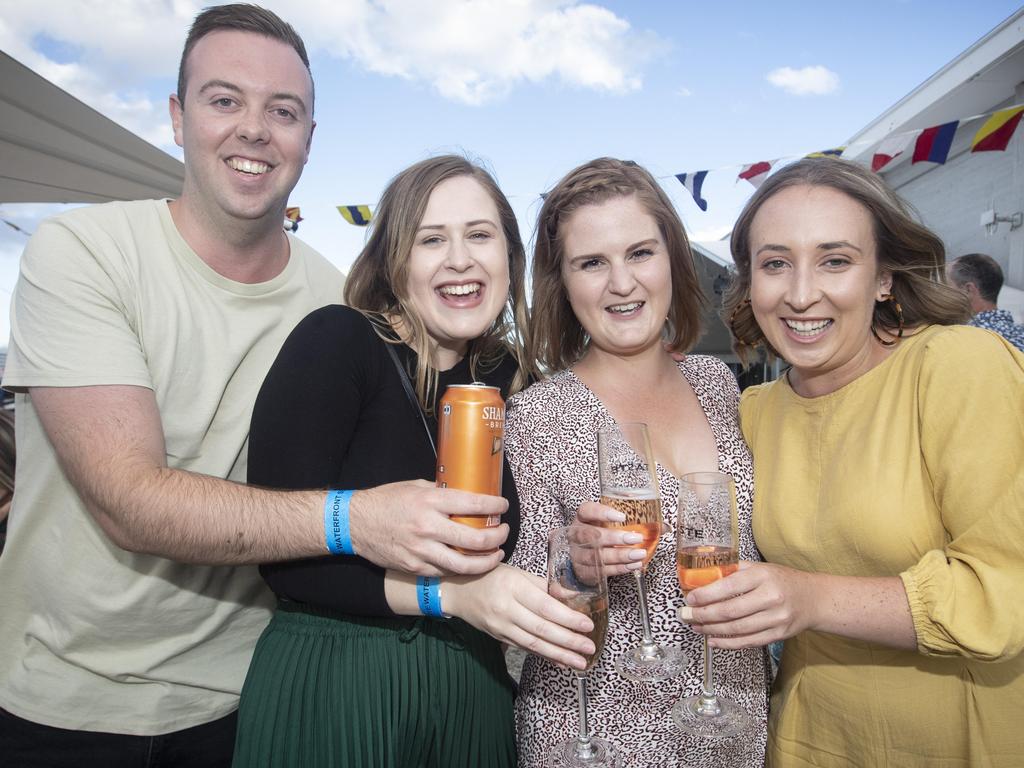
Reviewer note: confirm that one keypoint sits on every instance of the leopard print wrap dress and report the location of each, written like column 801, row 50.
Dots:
column 551, row 446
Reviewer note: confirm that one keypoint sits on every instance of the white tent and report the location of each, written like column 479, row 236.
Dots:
column 713, row 261
column 55, row 149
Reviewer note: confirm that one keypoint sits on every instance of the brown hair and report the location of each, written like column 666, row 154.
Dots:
column 980, row 269
column 377, row 284
column 242, row 17
column 557, row 340
column 912, row 253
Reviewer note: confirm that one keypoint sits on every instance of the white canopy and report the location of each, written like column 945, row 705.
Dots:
column 713, row 261
column 55, row 149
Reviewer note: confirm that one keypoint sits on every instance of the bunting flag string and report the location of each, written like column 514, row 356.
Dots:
column 932, row 144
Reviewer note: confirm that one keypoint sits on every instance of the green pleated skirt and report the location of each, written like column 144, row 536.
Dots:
column 330, row 691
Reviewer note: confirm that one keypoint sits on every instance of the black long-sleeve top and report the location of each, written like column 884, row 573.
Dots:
column 332, row 413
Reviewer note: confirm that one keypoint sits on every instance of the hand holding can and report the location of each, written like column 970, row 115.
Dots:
column 471, row 445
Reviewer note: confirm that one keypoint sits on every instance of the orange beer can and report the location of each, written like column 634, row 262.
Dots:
column 471, row 444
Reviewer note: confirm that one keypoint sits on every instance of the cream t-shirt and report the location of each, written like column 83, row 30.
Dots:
column 93, row 637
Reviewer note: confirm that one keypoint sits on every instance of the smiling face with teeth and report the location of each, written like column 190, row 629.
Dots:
column 617, row 275
column 245, row 126
column 814, row 283
column 458, row 273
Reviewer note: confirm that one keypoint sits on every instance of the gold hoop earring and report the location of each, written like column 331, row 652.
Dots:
column 899, row 318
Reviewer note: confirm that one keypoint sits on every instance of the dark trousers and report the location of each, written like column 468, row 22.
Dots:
column 24, row 744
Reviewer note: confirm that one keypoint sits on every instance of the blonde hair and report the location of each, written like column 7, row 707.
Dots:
column 377, row 284
column 908, row 250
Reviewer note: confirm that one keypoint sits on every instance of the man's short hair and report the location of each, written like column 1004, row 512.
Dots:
column 242, row 17
column 982, row 270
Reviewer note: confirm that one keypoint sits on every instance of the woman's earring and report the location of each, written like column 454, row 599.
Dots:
column 899, row 317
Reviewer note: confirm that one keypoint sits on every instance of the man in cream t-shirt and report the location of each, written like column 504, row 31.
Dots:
column 140, row 335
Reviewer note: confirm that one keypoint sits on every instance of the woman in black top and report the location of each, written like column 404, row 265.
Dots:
column 348, row 673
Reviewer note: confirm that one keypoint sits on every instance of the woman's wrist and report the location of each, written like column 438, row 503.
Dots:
column 454, row 589
column 428, row 597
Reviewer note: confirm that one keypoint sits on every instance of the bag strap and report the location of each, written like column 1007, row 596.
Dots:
column 407, row 386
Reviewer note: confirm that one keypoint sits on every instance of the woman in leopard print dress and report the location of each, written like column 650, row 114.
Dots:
column 611, row 265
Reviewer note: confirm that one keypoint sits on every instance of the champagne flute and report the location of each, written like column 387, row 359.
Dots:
column 629, row 483
column 576, row 579
column 707, row 549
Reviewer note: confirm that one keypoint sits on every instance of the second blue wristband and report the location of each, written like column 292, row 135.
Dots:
column 428, row 595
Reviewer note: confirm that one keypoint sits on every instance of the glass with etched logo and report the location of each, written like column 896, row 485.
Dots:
column 629, row 483
column 707, row 549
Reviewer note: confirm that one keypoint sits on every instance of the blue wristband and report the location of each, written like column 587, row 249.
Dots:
column 428, row 594
column 339, row 541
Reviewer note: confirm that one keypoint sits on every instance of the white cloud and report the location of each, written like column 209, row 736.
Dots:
column 470, row 51
column 816, row 81
column 473, row 51
column 114, row 52
column 683, row 91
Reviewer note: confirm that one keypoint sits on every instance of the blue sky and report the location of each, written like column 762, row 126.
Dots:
column 531, row 87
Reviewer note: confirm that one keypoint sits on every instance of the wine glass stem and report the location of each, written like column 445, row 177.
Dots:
column 708, row 704
column 584, row 747
column 645, row 620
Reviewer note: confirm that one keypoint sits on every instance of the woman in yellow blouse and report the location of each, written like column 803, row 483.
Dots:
column 889, row 489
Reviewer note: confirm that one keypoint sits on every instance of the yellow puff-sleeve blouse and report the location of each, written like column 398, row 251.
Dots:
column 915, row 469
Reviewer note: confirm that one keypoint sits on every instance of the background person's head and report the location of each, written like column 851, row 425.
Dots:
column 558, row 338
column 429, row 267
column 907, row 252
column 980, row 277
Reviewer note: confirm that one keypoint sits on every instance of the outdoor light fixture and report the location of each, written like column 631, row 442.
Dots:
column 990, row 220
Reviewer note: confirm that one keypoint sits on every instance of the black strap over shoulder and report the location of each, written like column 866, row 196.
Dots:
column 407, row 386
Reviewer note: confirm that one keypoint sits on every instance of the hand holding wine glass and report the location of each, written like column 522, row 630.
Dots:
column 707, row 549
column 629, row 483
column 576, row 578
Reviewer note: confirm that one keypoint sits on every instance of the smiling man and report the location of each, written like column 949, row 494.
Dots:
column 141, row 333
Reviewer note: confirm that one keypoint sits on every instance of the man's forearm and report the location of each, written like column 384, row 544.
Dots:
column 196, row 518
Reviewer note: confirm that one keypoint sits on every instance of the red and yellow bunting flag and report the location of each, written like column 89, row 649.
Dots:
column 997, row 131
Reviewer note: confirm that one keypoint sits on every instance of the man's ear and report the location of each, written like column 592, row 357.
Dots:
column 177, row 116
column 309, row 141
